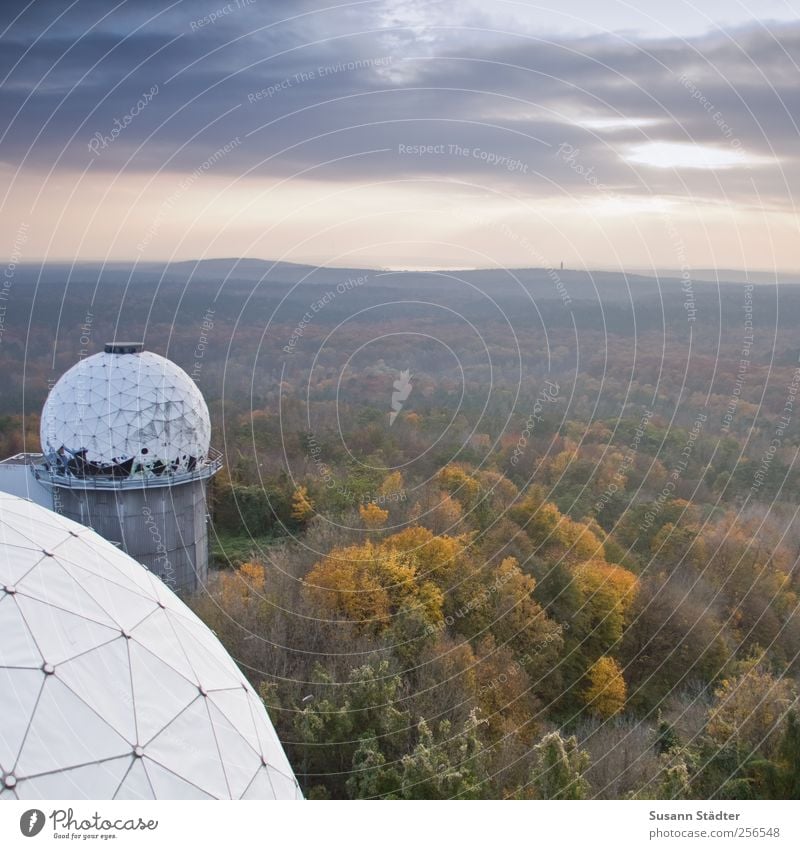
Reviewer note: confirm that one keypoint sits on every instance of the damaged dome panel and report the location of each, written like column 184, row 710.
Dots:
column 125, row 413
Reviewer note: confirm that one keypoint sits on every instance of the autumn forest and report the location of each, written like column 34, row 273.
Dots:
column 491, row 534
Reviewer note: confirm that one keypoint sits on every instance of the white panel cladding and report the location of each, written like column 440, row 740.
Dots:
column 110, row 687
column 133, row 414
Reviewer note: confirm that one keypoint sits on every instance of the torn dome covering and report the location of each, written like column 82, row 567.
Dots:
column 128, row 414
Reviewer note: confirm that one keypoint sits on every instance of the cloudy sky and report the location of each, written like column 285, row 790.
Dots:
column 403, row 133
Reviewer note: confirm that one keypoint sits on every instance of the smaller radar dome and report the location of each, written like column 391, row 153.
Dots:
column 125, row 413
column 110, row 687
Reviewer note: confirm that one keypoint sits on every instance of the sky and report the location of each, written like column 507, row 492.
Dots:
column 402, row 133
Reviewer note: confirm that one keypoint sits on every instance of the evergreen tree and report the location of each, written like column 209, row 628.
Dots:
column 443, row 766
column 558, row 772
column 370, row 777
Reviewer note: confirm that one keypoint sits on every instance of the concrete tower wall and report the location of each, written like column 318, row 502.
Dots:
column 162, row 527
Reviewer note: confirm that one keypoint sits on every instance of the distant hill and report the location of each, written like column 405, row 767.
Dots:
column 234, row 275
column 728, row 275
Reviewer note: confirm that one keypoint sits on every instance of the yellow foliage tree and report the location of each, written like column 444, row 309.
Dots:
column 438, row 558
column 516, row 619
column 555, row 535
column 503, row 689
column 674, row 544
column 607, row 692
column 372, row 515
column 577, row 541
column 749, row 709
column 560, row 463
column 302, row 505
column 238, row 588
column 537, row 517
column 371, row 583
column 253, row 576
column 392, row 484
column 459, row 483
column 503, row 491
column 608, row 591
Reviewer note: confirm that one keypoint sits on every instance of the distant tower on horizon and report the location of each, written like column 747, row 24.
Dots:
column 126, row 451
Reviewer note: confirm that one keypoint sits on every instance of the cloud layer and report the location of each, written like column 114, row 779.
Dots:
column 400, row 92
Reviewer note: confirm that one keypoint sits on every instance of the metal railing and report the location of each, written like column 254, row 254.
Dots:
column 139, row 480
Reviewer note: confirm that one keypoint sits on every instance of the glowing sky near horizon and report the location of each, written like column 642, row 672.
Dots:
column 402, row 134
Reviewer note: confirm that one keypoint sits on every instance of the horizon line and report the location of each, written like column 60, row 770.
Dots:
column 586, row 269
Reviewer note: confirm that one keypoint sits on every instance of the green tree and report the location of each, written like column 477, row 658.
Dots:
column 559, row 769
column 331, row 727
column 370, row 777
column 667, row 738
column 749, row 708
column 445, row 766
column 674, row 778
column 780, row 778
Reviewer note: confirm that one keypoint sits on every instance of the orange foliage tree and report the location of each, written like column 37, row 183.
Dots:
column 371, row 583
column 372, row 515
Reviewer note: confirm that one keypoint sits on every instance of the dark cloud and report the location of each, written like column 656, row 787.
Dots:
column 339, row 91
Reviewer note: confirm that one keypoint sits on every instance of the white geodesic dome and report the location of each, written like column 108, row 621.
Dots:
column 110, row 687
column 125, row 414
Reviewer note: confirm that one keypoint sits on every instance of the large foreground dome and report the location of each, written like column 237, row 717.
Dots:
column 125, row 413
column 110, row 687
